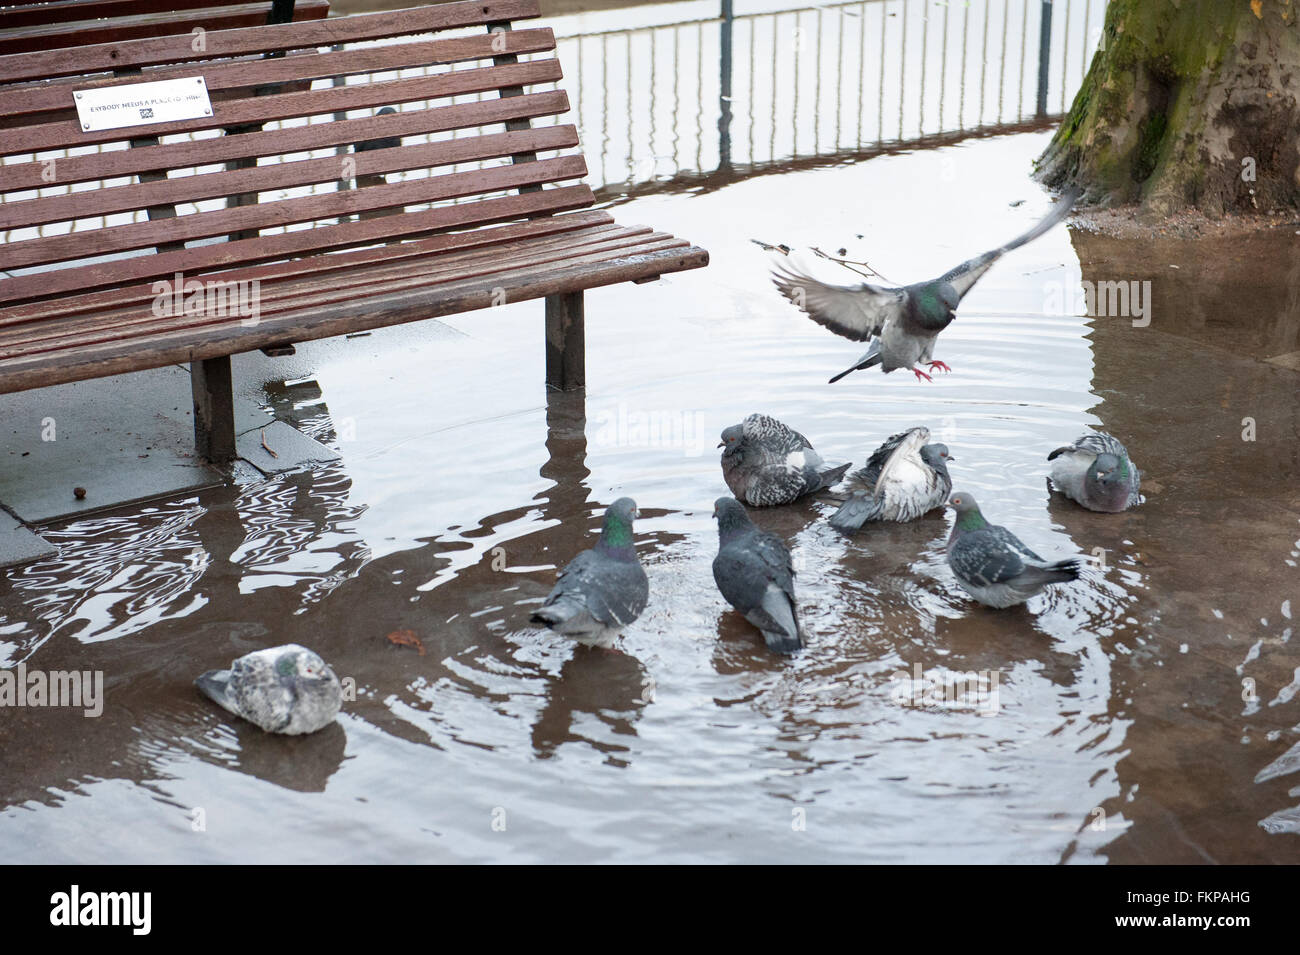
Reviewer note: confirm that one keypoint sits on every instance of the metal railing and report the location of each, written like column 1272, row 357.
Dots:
column 745, row 91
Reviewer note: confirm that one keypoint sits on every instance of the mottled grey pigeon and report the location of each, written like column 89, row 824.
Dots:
column 754, row 574
column 286, row 689
column 603, row 589
column 905, row 478
column 993, row 565
column 764, row 462
column 1096, row 472
column 901, row 323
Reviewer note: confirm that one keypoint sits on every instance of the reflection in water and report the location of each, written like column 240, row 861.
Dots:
column 1123, row 730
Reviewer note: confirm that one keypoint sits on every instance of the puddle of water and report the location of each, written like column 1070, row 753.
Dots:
column 1134, row 711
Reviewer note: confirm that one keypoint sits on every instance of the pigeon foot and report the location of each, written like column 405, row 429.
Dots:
column 942, row 366
column 920, row 374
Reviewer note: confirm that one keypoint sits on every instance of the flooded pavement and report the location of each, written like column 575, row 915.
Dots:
column 1144, row 714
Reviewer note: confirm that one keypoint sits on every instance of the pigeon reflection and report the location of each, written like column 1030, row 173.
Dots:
column 609, row 685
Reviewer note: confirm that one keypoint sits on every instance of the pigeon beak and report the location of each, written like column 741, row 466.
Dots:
column 950, row 457
column 722, row 444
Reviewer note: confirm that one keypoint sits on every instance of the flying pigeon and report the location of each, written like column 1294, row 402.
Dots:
column 901, row 323
column 603, row 589
column 754, row 574
column 905, row 478
column 286, row 689
column 993, row 565
column 1096, row 472
column 764, row 462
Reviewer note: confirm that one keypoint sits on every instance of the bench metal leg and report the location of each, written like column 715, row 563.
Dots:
column 214, row 409
column 566, row 368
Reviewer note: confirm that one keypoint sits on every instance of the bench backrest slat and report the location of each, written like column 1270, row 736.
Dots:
column 66, row 11
column 30, row 98
column 50, row 35
column 107, row 57
column 270, row 248
column 294, row 160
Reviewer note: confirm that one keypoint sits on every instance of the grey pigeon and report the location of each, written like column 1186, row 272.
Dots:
column 901, row 323
column 905, row 478
column 764, row 463
column 754, row 573
column 603, row 589
column 993, row 565
column 1096, row 472
column 286, row 689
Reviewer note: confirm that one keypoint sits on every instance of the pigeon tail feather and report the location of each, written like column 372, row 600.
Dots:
column 215, row 685
column 855, row 512
column 833, row 476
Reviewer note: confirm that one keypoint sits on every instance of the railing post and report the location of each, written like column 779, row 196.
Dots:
column 1044, row 55
column 724, row 88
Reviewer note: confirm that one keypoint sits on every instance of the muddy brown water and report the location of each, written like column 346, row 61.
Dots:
column 1147, row 713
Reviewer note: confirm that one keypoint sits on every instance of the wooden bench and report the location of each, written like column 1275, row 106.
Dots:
column 348, row 222
column 33, row 27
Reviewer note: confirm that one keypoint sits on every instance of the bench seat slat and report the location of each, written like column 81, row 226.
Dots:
column 294, row 105
column 319, row 267
column 51, row 36
column 295, row 294
column 198, row 339
column 32, row 98
column 105, row 57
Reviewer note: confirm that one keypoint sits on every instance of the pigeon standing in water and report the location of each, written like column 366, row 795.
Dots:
column 286, row 689
column 603, row 589
column 754, row 573
column 764, row 463
column 993, row 565
column 1096, row 472
column 905, row 478
column 901, row 323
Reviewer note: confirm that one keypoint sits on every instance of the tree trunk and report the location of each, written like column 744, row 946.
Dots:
column 1191, row 103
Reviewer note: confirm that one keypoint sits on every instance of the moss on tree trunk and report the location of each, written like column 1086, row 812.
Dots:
column 1187, row 103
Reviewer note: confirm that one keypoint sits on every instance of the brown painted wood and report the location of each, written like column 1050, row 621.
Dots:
column 202, row 225
column 65, row 11
column 377, row 265
column 141, row 321
column 52, row 36
column 214, row 409
column 342, row 318
column 323, row 267
column 267, row 248
column 363, row 313
column 566, row 342
column 304, row 172
column 291, row 105
column 19, row 177
column 105, row 57
column 23, row 99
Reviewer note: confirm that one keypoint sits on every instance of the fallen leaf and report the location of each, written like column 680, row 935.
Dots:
column 406, row 638
column 1257, row 6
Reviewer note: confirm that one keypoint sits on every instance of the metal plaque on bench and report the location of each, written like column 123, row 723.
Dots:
column 142, row 104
